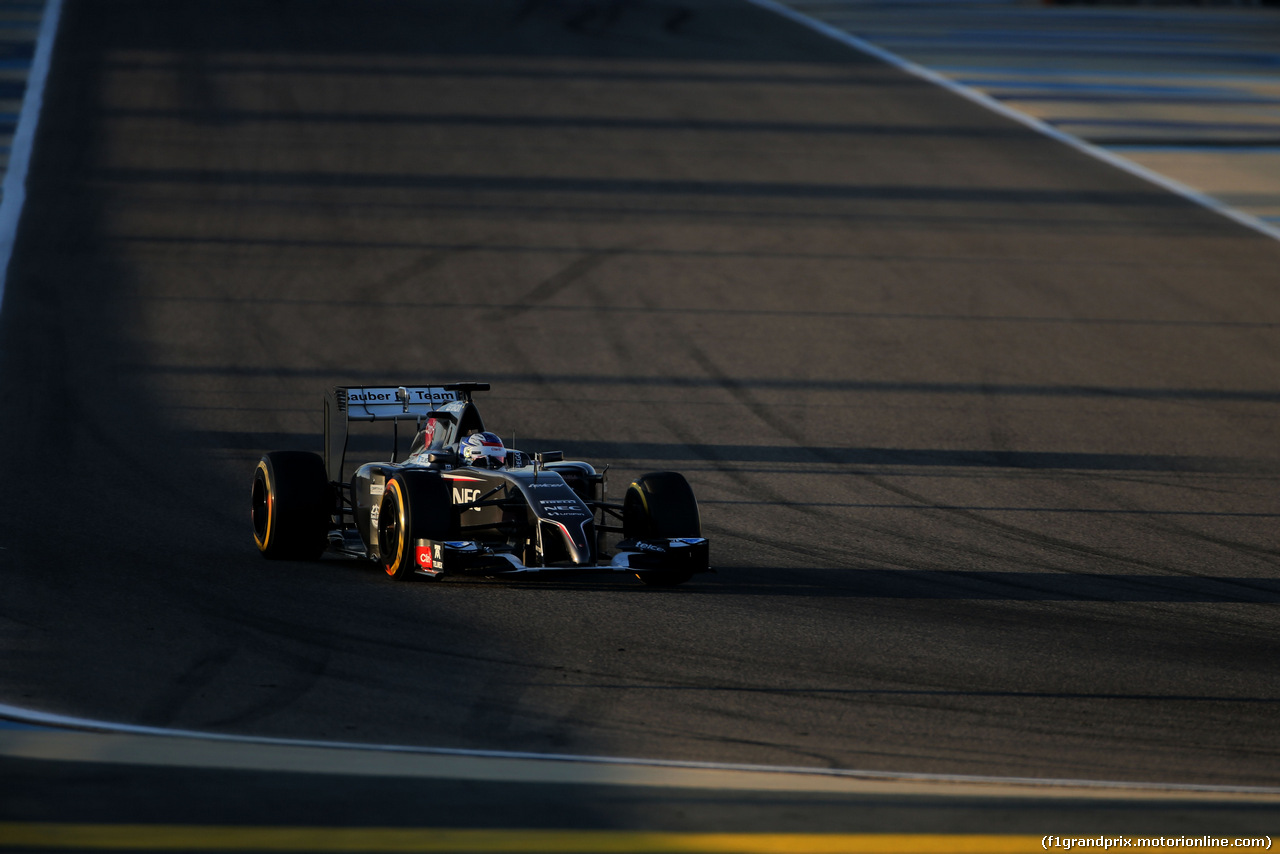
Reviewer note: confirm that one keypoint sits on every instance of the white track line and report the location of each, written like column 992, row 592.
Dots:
column 1111, row 158
column 517, row 766
column 15, row 178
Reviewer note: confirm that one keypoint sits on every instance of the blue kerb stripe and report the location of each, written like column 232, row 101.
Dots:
column 1217, row 150
column 1078, row 86
column 909, row 44
column 1092, row 36
column 1039, row 72
column 7, row 724
column 1115, row 98
column 1171, row 125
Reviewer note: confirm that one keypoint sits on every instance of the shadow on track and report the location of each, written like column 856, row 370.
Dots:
column 994, row 586
column 858, row 583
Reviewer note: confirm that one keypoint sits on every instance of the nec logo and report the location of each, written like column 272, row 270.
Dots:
column 465, row 496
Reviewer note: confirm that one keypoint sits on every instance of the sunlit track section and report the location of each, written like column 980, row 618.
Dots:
column 1191, row 96
column 27, row 31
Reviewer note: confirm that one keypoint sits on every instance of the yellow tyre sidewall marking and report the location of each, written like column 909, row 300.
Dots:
column 271, row 508
column 644, row 500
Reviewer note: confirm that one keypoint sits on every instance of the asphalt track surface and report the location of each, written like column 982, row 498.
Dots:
column 984, row 431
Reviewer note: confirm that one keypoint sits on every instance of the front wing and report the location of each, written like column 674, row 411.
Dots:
column 467, row 557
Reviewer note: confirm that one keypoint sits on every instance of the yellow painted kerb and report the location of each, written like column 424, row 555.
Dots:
column 383, row 839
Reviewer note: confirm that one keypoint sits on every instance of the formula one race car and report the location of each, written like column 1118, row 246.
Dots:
column 462, row 503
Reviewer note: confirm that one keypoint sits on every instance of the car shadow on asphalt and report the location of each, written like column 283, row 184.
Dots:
column 825, row 583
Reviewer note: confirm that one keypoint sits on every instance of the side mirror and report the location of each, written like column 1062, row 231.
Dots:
column 549, row 457
column 442, row 458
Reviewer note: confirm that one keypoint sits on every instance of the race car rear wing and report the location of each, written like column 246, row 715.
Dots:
column 345, row 404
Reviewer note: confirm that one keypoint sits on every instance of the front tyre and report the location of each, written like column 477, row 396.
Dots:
column 416, row 505
column 290, row 505
column 661, row 505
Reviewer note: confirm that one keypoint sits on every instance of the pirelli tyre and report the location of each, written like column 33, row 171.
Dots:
column 661, row 505
column 291, row 505
column 416, row 505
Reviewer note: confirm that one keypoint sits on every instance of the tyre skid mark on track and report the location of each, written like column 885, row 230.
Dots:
column 752, row 406
column 557, row 282
column 196, row 677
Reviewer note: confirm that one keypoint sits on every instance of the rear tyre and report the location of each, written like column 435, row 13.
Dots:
column 291, row 505
column 416, row 505
column 661, row 505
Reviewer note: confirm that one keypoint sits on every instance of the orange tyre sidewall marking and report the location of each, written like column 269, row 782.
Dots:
column 271, row 509
column 393, row 567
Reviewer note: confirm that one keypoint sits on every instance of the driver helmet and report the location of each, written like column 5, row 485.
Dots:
column 484, row 451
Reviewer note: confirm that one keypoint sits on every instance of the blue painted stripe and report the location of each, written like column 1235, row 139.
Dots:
column 1035, row 73
column 8, row 724
column 1102, row 98
column 1172, row 125
column 911, row 44
column 1078, row 17
column 33, row 57
column 1217, row 150
column 1044, row 36
column 1092, row 86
